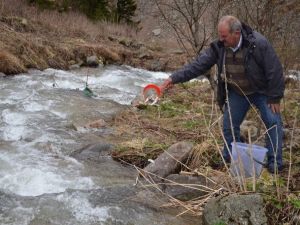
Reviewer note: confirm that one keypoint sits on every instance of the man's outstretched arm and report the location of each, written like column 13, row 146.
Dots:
column 199, row 66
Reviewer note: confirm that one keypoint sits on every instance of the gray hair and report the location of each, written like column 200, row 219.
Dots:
column 233, row 23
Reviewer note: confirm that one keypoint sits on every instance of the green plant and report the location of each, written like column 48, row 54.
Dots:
column 170, row 109
column 94, row 9
column 125, row 11
column 121, row 11
column 192, row 124
column 44, row 4
column 295, row 202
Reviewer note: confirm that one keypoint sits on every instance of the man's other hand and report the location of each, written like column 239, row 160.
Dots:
column 166, row 85
column 275, row 107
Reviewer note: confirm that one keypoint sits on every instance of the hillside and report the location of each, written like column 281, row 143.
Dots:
column 30, row 38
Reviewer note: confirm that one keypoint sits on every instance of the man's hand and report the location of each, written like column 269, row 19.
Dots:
column 275, row 107
column 166, row 85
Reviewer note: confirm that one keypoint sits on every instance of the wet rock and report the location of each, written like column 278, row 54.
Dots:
column 151, row 197
column 185, row 187
column 235, row 210
column 96, row 124
column 74, row 67
column 93, row 152
column 169, row 162
column 93, row 61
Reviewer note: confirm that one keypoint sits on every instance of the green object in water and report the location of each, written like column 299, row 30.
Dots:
column 88, row 92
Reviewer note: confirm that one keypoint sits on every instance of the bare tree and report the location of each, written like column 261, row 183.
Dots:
column 194, row 24
column 187, row 20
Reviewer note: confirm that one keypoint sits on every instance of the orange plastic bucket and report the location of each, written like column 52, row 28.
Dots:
column 151, row 93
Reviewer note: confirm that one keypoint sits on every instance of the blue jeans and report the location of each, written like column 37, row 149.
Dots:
column 239, row 106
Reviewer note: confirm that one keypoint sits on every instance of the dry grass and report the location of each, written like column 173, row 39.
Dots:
column 68, row 24
column 204, row 155
column 9, row 64
column 12, row 7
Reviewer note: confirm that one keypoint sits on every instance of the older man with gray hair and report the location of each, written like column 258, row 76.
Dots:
column 249, row 73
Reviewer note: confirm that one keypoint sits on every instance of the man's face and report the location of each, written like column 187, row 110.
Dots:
column 229, row 39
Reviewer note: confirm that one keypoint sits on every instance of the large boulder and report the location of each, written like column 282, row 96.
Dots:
column 94, row 152
column 235, row 210
column 169, row 162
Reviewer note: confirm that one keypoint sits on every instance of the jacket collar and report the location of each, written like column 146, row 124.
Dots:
column 247, row 34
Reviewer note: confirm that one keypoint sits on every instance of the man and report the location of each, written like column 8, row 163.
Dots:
column 249, row 72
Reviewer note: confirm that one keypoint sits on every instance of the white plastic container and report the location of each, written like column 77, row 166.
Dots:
column 247, row 160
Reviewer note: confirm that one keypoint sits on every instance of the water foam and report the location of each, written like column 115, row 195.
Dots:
column 29, row 172
column 35, row 107
column 13, row 118
column 83, row 210
column 13, row 133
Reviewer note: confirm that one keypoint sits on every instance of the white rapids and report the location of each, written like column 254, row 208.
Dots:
column 34, row 112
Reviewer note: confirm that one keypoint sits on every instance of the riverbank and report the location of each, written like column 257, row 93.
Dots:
column 187, row 113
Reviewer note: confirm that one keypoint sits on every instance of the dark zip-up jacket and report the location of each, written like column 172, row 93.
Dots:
column 262, row 66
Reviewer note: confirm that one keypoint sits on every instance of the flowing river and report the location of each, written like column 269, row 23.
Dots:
column 40, row 183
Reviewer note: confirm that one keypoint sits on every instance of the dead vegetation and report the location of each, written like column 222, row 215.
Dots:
column 33, row 45
column 10, row 64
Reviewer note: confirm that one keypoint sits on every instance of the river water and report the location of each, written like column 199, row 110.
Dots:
column 40, row 183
